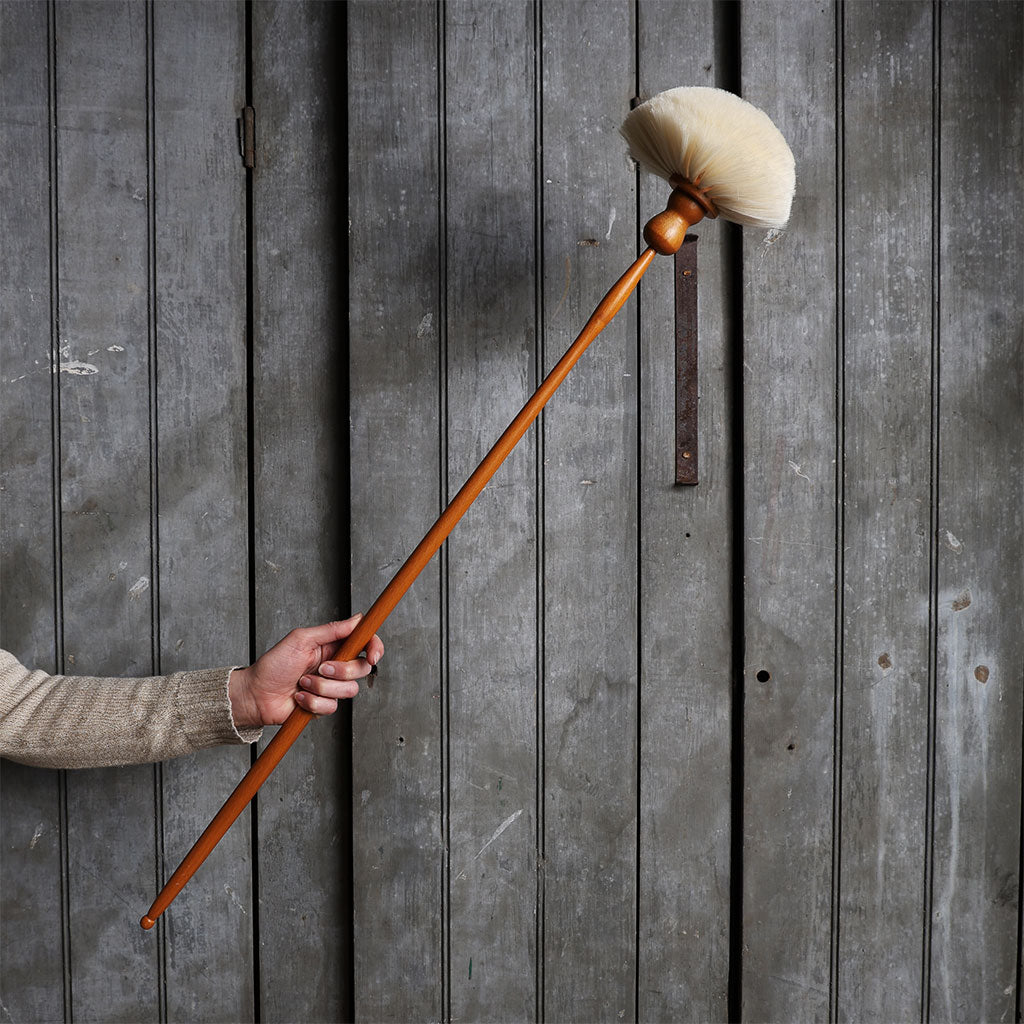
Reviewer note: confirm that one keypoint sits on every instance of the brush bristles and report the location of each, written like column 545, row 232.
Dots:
column 722, row 143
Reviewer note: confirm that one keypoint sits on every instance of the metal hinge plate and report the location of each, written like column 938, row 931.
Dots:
column 686, row 361
column 247, row 136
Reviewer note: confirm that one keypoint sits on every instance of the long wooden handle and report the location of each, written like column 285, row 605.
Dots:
column 664, row 234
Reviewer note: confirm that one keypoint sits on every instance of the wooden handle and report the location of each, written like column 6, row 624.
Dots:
column 661, row 240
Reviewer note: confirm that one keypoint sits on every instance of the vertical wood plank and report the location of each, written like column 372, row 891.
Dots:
column 26, row 455
column 590, row 521
column 199, row 79
column 686, row 603
column 980, row 655
column 789, row 312
column 105, row 414
column 395, row 358
column 31, row 943
column 492, row 556
column 887, row 375
column 300, row 472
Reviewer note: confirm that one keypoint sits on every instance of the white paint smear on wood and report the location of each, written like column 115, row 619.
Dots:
column 510, row 820
column 79, row 369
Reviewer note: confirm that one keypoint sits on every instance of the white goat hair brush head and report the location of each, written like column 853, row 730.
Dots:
column 721, row 143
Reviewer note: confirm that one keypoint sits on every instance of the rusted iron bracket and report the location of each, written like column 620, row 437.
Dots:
column 686, row 361
column 247, row 136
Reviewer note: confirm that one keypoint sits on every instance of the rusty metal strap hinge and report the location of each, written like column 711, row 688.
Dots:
column 686, row 361
column 247, row 137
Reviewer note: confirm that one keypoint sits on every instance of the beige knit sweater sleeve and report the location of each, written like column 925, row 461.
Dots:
column 83, row 722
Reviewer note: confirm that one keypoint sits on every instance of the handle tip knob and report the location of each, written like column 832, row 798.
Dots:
column 147, row 922
column 686, row 206
column 665, row 232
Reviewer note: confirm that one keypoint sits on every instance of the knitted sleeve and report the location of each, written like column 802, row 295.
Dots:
column 83, row 722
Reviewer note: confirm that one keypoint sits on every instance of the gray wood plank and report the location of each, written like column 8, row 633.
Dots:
column 26, row 455
column 202, row 463
column 104, row 357
column 31, row 914
column 590, row 522
column 491, row 565
column 396, row 339
column 299, row 443
column 888, row 374
column 980, row 651
column 686, row 606
column 789, row 314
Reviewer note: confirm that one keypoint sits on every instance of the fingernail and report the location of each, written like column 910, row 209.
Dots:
column 327, row 669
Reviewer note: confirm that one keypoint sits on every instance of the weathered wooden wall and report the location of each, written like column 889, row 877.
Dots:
column 749, row 750
column 175, row 489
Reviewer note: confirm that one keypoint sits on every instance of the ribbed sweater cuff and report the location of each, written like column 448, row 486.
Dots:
column 204, row 709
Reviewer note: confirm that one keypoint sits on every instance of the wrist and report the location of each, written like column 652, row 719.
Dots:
column 244, row 712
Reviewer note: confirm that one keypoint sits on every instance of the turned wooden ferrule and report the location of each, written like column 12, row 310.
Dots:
column 665, row 232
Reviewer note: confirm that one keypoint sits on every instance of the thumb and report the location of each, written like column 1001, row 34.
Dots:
column 331, row 632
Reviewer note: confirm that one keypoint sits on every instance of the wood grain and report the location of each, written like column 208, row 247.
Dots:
column 107, row 450
column 32, row 955
column 201, row 425
column 589, row 624
column 980, row 655
column 300, row 469
column 396, row 339
column 490, row 561
column 789, row 608
column 887, row 382
column 686, row 606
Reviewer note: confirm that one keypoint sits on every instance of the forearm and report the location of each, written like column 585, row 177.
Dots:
column 82, row 722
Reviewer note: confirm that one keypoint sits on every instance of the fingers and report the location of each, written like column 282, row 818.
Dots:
column 335, row 689
column 374, row 650
column 320, row 696
column 358, row 668
column 329, row 636
column 315, row 704
column 321, row 687
column 320, row 692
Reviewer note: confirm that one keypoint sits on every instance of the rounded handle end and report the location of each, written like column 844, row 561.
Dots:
column 147, row 922
column 687, row 205
column 665, row 232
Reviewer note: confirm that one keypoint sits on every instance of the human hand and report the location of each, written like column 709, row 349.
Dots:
column 299, row 671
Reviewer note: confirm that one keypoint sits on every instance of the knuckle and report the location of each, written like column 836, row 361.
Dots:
column 296, row 637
